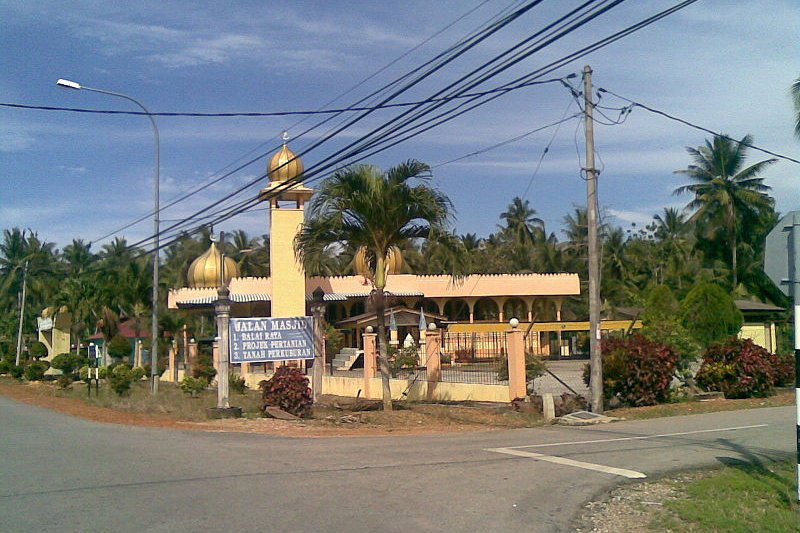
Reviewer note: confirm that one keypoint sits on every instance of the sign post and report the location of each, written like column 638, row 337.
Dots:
column 782, row 265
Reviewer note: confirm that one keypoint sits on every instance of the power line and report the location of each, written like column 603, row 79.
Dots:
column 595, row 46
column 701, row 128
column 443, row 54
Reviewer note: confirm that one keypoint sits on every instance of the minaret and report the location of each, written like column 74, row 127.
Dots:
column 286, row 213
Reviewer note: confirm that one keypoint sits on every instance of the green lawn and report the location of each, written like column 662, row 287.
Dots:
column 740, row 498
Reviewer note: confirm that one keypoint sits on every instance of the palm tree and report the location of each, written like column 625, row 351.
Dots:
column 362, row 206
column 521, row 223
column 724, row 191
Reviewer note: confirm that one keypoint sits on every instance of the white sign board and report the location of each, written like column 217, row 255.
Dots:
column 256, row 340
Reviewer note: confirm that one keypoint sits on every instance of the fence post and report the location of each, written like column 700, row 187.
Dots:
column 370, row 354
column 433, row 361
column 191, row 353
column 517, row 381
column 172, row 370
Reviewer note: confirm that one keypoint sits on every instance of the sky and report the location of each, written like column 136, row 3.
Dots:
column 723, row 64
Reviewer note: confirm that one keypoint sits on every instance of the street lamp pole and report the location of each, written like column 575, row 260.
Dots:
column 154, row 344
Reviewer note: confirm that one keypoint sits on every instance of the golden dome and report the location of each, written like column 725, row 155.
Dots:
column 285, row 164
column 205, row 270
column 394, row 261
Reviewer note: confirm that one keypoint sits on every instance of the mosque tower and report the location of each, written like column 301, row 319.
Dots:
column 287, row 198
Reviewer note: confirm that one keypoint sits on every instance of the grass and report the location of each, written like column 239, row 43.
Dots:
column 782, row 398
column 740, row 498
column 170, row 401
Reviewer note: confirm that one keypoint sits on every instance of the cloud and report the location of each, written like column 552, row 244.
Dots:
column 171, row 47
column 15, row 141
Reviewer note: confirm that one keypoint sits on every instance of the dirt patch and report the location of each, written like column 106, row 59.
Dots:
column 328, row 421
column 781, row 398
column 633, row 508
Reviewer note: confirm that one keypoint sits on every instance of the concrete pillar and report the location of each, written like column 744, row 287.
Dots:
column 517, row 381
column 370, row 361
column 500, row 303
column 215, row 354
column 191, row 353
column 222, row 308
column 433, row 361
column 172, row 367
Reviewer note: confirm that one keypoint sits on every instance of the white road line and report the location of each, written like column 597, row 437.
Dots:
column 642, row 437
column 631, row 474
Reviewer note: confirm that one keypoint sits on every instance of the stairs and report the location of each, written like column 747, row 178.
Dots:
column 345, row 359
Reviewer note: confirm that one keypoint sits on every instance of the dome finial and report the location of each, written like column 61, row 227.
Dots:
column 285, row 136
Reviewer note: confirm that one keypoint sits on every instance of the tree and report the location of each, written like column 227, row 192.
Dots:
column 361, row 206
column 724, row 191
column 709, row 314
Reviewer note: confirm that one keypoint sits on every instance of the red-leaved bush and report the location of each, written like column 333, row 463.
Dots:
column 739, row 368
column 636, row 370
column 784, row 373
column 287, row 389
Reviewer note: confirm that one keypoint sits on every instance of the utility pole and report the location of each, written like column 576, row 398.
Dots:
column 596, row 361
column 22, row 311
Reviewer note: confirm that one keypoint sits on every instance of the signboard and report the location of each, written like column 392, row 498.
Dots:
column 44, row 324
column 257, row 340
column 780, row 254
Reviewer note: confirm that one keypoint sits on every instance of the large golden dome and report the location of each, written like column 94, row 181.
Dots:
column 205, row 270
column 285, row 164
column 394, row 261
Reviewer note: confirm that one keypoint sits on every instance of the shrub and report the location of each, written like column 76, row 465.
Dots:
column 636, row 370
column 38, row 350
column 709, row 314
column 69, row 362
column 204, row 368
column 17, row 371
column 35, row 371
column 120, row 379
column 137, row 373
column 739, row 368
column 5, row 366
column 119, row 347
column 403, row 358
column 534, row 367
column 64, row 381
column 237, row 384
column 287, row 389
column 193, row 386
column 784, row 372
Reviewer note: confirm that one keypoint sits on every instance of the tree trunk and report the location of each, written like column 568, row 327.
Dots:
column 732, row 230
column 383, row 359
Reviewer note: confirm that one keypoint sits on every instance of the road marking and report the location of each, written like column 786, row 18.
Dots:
column 631, row 474
column 642, row 437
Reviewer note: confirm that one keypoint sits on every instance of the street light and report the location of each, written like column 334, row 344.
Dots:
column 154, row 346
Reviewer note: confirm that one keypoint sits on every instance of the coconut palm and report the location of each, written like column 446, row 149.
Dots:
column 361, row 206
column 724, row 190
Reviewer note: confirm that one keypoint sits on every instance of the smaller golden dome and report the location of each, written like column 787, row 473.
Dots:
column 394, row 261
column 285, row 164
column 205, row 270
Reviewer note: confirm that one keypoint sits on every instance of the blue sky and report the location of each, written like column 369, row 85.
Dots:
column 726, row 65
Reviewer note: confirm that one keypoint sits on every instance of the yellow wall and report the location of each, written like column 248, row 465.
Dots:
column 542, row 326
column 288, row 276
column 57, row 340
column 760, row 334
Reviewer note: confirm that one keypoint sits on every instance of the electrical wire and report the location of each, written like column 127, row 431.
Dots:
column 701, row 128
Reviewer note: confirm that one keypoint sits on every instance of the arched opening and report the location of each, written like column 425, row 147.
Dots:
column 486, row 309
column 457, row 310
column 544, row 311
column 429, row 306
column 515, row 308
column 335, row 312
column 358, row 308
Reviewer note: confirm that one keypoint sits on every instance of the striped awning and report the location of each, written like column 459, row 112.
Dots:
column 236, row 298
column 343, row 296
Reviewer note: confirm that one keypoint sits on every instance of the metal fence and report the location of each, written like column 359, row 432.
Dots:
column 475, row 358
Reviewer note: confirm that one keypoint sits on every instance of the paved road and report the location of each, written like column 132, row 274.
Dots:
column 64, row 474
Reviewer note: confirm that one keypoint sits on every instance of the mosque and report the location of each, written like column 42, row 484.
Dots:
column 477, row 303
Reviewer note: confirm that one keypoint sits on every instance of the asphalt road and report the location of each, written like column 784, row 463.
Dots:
column 65, row 474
